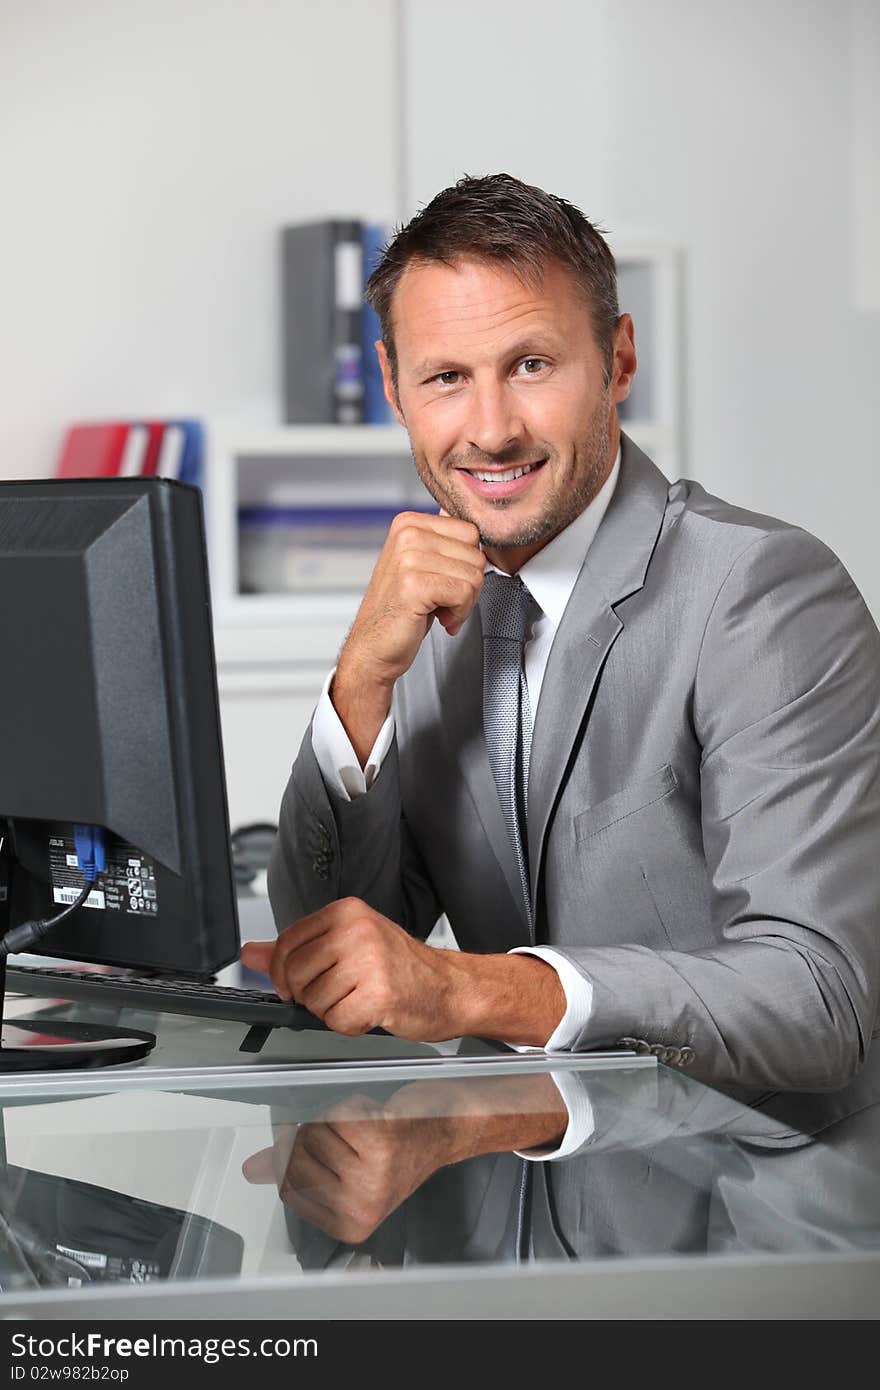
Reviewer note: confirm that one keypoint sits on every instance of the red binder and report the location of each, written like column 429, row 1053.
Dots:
column 134, row 449
column 93, row 451
column 155, row 431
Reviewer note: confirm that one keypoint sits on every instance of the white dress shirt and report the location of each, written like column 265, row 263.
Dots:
column 550, row 577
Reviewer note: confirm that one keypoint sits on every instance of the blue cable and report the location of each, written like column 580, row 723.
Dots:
column 91, row 850
column 91, row 854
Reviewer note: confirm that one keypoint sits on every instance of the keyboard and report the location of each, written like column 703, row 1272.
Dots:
column 199, row 999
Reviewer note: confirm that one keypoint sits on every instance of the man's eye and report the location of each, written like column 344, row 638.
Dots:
column 447, row 378
column 531, row 366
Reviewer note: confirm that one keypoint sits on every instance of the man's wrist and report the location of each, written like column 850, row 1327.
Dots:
column 513, row 999
column 363, row 703
column 495, row 1115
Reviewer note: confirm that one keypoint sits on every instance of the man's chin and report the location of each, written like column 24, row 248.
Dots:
column 514, row 540
column 496, row 531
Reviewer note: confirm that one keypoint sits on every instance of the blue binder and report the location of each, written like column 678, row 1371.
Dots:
column 376, row 409
column 183, row 453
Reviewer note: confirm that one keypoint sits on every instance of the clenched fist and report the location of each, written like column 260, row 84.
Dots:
column 357, row 970
column 430, row 567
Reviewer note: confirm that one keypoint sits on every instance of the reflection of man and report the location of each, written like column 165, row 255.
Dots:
column 426, row 1174
column 351, row 1167
column 645, row 750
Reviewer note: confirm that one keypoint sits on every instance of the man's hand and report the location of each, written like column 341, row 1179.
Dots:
column 430, row 567
column 347, row 1170
column 357, row 970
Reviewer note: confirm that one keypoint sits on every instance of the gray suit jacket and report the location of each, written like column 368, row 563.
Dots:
column 703, row 807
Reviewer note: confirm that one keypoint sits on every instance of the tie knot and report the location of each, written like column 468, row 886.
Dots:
column 504, row 607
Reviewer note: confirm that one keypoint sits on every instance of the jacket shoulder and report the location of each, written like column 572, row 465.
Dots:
column 722, row 531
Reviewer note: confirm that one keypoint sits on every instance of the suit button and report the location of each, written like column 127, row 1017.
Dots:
column 687, row 1056
column 319, row 839
column 673, row 1056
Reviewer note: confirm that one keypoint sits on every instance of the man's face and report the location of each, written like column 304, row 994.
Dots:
column 502, row 388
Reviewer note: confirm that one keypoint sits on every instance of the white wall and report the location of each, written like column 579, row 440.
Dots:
column 748, row 168
column 149, row 151
column 727, row 128
column 508, row 85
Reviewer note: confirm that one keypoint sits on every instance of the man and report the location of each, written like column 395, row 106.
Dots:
column 623, row 734
column 427, row 1172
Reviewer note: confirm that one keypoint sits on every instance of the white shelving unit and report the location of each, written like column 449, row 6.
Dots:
column 295, row 464
column 274, row 650
column 649, row 288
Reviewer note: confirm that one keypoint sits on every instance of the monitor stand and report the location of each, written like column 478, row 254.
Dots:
column 44, row 1044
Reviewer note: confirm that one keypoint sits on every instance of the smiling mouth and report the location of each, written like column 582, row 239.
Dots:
column 508, row 475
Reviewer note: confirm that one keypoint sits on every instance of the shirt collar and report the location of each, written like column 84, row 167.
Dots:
column 551, row 574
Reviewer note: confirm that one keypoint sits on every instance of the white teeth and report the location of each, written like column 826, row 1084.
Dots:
column 507, row 477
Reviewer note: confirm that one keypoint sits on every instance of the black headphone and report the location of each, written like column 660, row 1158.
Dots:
column 251, row 849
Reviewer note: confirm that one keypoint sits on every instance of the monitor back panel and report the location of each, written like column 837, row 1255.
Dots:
column 109, row 716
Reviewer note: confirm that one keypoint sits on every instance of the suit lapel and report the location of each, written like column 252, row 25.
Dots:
column 614, row 568
column 458, row 666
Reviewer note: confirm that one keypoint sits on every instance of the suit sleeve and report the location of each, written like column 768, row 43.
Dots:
column 328, row 847
column 785, row 707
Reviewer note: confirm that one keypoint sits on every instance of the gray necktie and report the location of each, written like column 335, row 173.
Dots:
column 507, row 718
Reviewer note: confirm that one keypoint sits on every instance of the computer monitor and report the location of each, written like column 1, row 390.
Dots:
column 109, row 717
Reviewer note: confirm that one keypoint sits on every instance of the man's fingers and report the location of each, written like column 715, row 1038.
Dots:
column 306, row 948
column 267, row 956
column 415, row 542
column 293, row 938
column 425, row 593
column 328, row 989
column 443, row 524
column 311, row 1172
column 320, row 973
column 257, row 955
column 326, row 1145
column 260, row 1167
column 315, row 1212
column 352, row 1016
column 269, row 1164
column 449, row 619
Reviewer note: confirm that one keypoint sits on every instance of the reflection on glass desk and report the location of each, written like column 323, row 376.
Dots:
column 308, row 1173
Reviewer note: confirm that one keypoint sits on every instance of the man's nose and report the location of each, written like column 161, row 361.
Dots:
column 494, row 423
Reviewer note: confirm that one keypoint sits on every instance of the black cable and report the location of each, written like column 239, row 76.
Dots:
column 29, row 933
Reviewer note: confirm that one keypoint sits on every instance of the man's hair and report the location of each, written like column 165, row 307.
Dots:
column 499, row 219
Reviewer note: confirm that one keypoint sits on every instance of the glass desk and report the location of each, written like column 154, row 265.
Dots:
column 339, row 1178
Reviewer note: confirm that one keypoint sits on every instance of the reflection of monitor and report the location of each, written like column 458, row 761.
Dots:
column 59, row 1231
column 109, row 718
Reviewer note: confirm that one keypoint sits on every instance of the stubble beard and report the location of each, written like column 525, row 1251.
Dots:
column 573, row 493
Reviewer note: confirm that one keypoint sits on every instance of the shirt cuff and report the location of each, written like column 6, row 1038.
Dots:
column 336, row 759
column 578, row 997
column 581, row 1123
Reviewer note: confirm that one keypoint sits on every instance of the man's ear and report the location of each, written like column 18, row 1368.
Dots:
column 624, row 366
column 388, row 382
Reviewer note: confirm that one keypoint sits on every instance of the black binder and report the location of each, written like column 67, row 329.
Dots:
column 322, row 289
